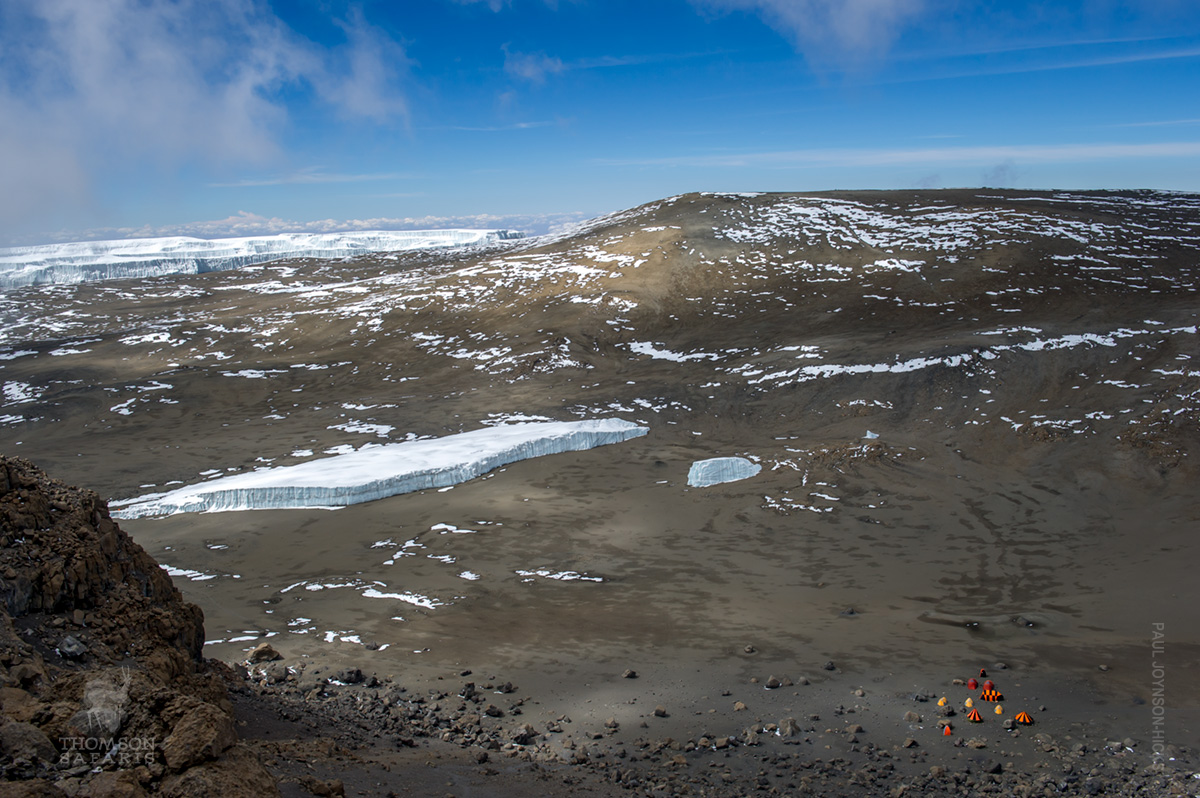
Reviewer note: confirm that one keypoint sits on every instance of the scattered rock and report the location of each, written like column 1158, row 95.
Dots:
column 629, row 674
column 71, row 647
column 829, row 666
column 334, row 788
column 349, row 676
column 660, row 711
column 772, row 683
column 524, row 735
column 264, row 652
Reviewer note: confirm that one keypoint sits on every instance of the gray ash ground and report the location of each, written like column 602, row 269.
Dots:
column 977, row 413
column 466, row 737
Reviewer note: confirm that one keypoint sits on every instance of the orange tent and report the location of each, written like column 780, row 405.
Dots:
column 1023, row 717
column 974, row 716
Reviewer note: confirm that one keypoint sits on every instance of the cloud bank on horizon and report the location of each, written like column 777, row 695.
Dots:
column 215, row 117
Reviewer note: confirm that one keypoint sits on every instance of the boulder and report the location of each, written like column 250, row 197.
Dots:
column 264, row 652
column 237, row 774
column 203, row 733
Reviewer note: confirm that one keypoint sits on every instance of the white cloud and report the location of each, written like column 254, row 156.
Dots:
column 245, row 223
column 495, row 5
column 309, row 177
column 92, row 88
column 533, row 67
column 984, row 156
column 841, row 30
column 368, row 85
column 498, row 5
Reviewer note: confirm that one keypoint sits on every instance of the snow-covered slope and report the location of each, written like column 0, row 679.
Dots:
column 381, row 471
column 150, row 257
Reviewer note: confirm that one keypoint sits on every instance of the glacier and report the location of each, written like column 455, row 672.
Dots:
column 376, row 472
column 720, row 469
column 86, row 261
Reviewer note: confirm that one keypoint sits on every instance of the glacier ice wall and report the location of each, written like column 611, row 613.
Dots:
column 721, row 469
column 381, row 471
column 86, row 261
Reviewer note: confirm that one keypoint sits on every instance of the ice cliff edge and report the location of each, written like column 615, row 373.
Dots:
column 381, row 471
column 87, row 261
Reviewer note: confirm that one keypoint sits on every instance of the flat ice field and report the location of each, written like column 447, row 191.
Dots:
column 376, row 472
column 86, row 261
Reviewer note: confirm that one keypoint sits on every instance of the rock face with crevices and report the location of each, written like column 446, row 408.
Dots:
column 102, row 686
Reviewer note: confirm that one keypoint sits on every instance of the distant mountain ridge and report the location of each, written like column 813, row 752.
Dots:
column 87, row 261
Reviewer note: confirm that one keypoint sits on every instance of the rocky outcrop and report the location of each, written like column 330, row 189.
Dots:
column 103, row 690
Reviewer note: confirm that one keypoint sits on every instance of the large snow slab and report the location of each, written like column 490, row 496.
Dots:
column 721, row 469
column 85, row 261
column 381, row 471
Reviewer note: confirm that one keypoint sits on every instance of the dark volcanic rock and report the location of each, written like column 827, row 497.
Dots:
column 76, row 558
column 126, row 688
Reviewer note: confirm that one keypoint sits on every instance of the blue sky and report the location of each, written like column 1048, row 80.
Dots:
column 235, row 117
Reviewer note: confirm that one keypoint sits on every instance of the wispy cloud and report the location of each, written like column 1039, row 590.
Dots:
column 1162, row 123
column 843, row 31
column 984, row 156
column 496, row 128
column 91, row 89
column 1052, row 66
column 536, row 67
column 309, row 177
column 499, row 5
column 246, row 223
column 533, row 67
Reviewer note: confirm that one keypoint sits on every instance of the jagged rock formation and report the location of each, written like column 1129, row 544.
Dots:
column 102, row 687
